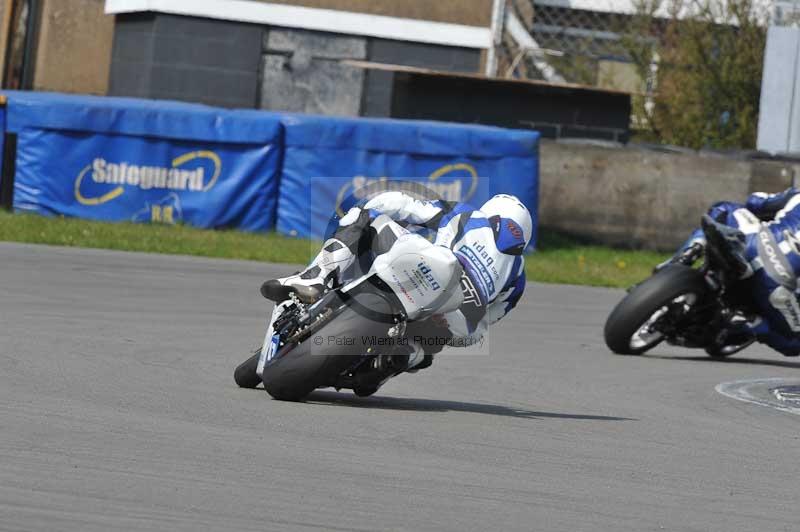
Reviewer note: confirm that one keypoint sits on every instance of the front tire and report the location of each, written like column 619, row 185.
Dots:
column 624, row 326
column 300, row 369
column 245, row 374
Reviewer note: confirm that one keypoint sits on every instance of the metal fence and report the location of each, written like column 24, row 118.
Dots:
column 565, row 45
column 571, row 42
column 786, row 13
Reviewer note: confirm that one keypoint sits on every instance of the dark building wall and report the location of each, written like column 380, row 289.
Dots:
column 556, row 111
column 377, row 101
column 234, row 64
column 186, row 58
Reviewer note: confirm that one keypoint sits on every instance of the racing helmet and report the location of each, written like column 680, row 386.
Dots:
column 512, row 222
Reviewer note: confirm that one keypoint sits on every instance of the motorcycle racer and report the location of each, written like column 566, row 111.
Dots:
column 762, row 242
column 488, row 244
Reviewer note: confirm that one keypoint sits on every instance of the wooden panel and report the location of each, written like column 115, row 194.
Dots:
column 74, row 47
column 5, row 22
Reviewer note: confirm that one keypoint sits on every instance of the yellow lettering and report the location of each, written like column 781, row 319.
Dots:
column 148, row 177
column 164, row 214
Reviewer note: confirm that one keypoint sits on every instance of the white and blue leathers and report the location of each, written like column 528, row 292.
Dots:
column 488, row 249
column 771, row 225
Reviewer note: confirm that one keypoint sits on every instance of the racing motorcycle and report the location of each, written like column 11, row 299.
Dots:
column 353, row 337
column 692, row 301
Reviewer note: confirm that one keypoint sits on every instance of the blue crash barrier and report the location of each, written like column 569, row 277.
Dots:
column 136, row 160
column 141, row 160
column 332, row 163
column 2, row 130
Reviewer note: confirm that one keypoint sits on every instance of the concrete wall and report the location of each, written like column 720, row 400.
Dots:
column 643, row 198
column 469, row 12
column 73, row 53
column 301, row 72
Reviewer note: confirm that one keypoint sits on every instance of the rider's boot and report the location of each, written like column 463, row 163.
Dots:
column 417, row 359
column 309, row 284
column 738, row 329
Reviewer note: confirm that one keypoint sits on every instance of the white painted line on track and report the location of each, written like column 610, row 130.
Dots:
column 761, row 392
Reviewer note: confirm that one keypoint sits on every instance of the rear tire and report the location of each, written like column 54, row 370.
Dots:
column 633, row 312
column 364, row 392
column 245, row 374
column 298, row 382
column 718, row 353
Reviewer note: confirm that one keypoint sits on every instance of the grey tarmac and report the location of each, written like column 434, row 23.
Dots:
column 118, row 412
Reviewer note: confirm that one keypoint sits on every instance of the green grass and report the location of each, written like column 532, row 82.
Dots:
column 559, row 259
column 178, row 239
column 566, row 261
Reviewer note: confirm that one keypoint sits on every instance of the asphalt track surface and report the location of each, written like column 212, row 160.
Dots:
column 118, row 412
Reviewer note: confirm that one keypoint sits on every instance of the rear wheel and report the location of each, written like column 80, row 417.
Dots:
column 245, row 374
column 365, row 392
column 633, row 326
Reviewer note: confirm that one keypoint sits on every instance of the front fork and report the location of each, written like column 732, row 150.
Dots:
column 688, row 257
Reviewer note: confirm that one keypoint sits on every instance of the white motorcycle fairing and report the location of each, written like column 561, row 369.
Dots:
column 425, row 278
column 271, row 340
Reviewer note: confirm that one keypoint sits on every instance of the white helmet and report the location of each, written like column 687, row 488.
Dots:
column 509, row 207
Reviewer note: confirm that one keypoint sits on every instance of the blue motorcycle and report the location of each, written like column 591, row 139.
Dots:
column 692, row 301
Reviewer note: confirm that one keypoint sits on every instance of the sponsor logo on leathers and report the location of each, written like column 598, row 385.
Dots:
column 785, row 302
column 775, row 264
column 792, row 239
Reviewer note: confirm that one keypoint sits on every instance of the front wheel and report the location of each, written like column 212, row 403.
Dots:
column 329, row 348
column 632, row 328
column 245, row 374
